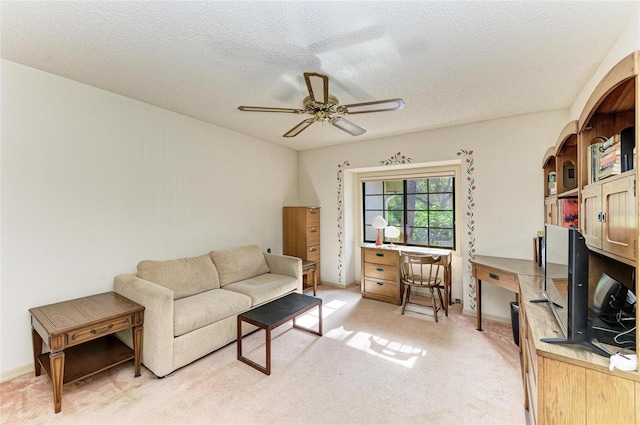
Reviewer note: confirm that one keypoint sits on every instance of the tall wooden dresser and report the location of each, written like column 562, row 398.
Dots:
column 301, row 228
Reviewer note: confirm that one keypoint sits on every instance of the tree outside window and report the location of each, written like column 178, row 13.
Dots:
column 423, row 210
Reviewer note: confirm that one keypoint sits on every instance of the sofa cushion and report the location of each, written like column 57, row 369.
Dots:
column 239, row 263
column 184, row 276
column 205, row 308
column 265, row 287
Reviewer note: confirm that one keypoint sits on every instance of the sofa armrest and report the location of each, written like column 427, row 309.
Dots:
column 286, row 265
column 157, row 345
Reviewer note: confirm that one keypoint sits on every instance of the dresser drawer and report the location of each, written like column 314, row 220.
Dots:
column 313, row 217
column 380, row 256
column 380, row 271
column 381, row 287
column 313, row 235
column 496, row 277
column 313, row 253
column 79, row 336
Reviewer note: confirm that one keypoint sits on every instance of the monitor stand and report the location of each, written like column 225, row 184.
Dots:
column 586, row 343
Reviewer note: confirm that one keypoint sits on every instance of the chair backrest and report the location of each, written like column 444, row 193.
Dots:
column 416, row 269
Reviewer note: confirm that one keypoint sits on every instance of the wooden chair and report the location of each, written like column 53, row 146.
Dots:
column 421, row 271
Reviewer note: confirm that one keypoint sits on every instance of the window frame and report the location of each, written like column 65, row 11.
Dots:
column 451, row 169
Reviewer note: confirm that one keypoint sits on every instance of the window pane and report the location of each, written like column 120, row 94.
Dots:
column 393, row 186
column 441, row 201
column 441, row 184
column 370, row 215
column 417, row 236
column 373, row 188
column 394, row 202
column 394, row 218
column 441, row 237
column 373, row 202
column 441, row 219
column 371, row 234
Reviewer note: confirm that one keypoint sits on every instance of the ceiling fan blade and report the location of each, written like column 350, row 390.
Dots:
column 318, row 86
column 299, row 128
column 269, row 109
column 347, row 126
column 375, row 106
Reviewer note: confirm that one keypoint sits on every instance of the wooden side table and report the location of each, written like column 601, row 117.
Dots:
column 310, row 269
column 80, row 337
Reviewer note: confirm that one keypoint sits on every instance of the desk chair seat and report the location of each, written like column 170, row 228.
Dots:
column 421, row 271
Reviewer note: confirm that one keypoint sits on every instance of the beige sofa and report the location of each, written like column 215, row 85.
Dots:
column 191, row 304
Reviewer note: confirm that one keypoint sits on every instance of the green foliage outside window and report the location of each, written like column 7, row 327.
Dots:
column 423, row 210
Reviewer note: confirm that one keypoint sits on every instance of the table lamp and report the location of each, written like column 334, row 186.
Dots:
column 392, row 232
column 379, row 223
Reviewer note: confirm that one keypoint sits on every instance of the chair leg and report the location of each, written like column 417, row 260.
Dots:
column 405, row 297
column 433, row 304
column 446, row 312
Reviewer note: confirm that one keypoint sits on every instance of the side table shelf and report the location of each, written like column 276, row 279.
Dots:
column 90, row 358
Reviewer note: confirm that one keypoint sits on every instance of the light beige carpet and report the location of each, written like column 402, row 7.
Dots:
column 372, row 366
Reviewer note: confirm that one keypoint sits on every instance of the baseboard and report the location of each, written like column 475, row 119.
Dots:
column 341, row 286
column 14, row 373
column 490, row 317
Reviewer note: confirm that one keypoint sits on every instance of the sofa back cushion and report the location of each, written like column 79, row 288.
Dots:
column 184, row 276
column 239, row 263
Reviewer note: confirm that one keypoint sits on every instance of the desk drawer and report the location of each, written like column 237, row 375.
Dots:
column 313, row 235
column 381, row 287
column 313, row 253
column 79, row 336
column 497, row 277
column 313, row 217
column 380, row 256
column 380, row 271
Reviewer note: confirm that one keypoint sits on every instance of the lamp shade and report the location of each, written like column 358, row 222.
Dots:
column 379, row 223
column 391, row 232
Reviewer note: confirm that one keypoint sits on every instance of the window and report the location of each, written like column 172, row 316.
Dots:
column 423, row 209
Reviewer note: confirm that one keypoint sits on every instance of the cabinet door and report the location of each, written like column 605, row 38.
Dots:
column 609, row 399
column 590, row 216
column 619, row 206
column 550, row 211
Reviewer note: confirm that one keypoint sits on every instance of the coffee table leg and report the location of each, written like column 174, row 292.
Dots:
column 56, row 361
column 268, row 334
column 239, row 338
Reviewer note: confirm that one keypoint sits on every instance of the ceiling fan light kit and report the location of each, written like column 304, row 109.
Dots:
column 323, row 105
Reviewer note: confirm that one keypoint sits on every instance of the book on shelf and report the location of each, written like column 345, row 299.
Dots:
column 552, row 183
column 569, row 212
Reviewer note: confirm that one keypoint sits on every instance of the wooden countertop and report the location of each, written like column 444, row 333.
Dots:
column 544, row 325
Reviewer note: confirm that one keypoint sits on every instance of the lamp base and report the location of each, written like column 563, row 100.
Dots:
column 379, row 240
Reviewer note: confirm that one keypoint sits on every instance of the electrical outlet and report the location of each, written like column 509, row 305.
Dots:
column 458, row 301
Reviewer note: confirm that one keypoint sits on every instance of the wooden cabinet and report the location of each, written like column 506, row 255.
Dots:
column 560, row 164
column 301, row 228
column 567, row 385
column 609, row 216
column 380, row 275
column 608, row 213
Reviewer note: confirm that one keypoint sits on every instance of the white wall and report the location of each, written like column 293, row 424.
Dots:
column 93, row 182
column 508, row 199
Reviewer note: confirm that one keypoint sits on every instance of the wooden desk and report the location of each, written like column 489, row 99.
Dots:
column 81, row 331
column 502, row 272
column 380, row 272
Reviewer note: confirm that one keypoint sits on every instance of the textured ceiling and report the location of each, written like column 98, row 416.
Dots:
column 452, row 62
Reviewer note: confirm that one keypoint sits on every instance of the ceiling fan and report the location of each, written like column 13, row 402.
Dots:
column 323, row 106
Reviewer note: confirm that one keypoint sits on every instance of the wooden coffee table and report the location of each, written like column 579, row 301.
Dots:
column 273, row 314
column 79, row 334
